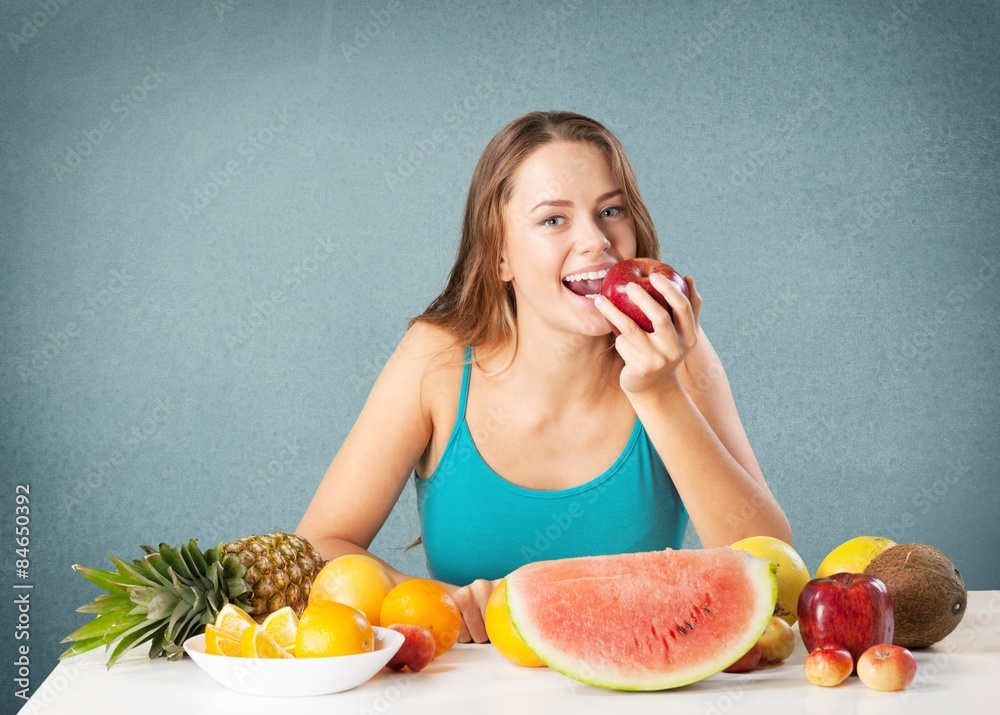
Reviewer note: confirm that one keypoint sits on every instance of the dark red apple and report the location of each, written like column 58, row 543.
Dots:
column 747, row 662
column 638, row 270
column 852, row 610
column 417, row 649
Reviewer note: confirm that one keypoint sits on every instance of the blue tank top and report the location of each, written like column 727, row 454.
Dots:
column 476, row 524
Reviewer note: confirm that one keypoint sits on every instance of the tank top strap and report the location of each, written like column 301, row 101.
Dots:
column 464, row 394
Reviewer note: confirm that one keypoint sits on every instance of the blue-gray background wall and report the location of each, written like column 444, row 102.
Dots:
column 218, row 216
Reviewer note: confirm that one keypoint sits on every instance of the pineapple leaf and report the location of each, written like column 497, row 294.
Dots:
column 194, row 558
column 82, row 646
column 174, row 560
column 109, row 623
column 180, row 612
column 159, row 566
column 161, row 605
column 142, row 595
column 132, row 638
column 130, row 572
column 106, row 602
column 107, row 580
column 186, row 628
column 236, row 587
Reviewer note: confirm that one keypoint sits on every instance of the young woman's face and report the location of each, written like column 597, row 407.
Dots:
column 567, row 223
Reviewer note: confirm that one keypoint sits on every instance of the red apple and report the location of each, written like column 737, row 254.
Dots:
column 417, row 649
column 747, row 662
column 887, row 667
column 853, row 610
column 828, row 665
column 638, row 270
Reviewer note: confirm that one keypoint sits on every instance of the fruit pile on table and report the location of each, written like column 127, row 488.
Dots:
column 646, row 621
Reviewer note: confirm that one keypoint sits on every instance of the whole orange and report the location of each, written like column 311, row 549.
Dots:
column 502, row 633
column 356, row 580
column 422, row 602
column 327, row 628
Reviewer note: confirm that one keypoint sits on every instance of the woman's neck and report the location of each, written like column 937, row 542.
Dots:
column 561, row 370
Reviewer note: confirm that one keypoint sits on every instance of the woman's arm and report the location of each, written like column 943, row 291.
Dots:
column 678, row 388
column 371, row 467
column 694, row 425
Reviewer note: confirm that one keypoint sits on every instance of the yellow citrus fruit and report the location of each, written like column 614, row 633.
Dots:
column 356, row 580
column 792, row 573
column 258, row 643
column 853, row 556
column 422, row 602
column 282, row 625
column 502, row 633
column 233, row 618
column 328, row 628
column 221, row 641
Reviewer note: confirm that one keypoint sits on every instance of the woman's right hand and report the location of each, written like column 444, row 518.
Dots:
column 472, row 600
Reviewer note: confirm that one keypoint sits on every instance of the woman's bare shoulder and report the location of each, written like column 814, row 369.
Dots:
column 430, row 346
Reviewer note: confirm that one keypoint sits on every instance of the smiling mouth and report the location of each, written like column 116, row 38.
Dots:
column 586, row 284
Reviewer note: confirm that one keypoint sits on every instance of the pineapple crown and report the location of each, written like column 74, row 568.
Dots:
column 164, row 597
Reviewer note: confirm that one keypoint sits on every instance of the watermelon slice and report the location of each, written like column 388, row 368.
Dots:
column 644, row 621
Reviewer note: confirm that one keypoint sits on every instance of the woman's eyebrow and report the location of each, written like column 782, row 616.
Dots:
column 564, row 202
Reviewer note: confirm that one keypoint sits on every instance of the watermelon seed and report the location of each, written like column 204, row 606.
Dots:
column 690, row 627
column 681, row 629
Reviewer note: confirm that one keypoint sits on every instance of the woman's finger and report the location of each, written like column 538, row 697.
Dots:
column 683, row 319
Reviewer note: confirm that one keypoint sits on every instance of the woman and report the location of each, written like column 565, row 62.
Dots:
column 509, row 393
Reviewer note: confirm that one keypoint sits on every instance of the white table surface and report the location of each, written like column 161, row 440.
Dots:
column 961, row 674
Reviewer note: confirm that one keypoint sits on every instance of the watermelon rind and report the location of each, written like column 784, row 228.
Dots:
column 752, row 572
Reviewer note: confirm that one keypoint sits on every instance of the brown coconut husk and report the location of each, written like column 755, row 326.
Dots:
column 928, row 594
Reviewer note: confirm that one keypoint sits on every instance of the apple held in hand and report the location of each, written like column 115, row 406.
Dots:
column 887, row 667
column 852, row 610
column 638, row 270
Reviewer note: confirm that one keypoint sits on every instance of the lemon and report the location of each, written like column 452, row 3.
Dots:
column 853, row 556
column 282, row 626
column 328, row 628
column 502, row 633
column 792, row 573
column 258, row 643
column 355, row 580
column 233, row 618
column 221, row 641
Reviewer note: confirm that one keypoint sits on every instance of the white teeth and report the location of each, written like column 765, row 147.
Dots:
column 591, row 276
column 591, row 295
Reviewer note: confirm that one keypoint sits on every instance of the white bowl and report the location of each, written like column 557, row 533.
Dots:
column 296, row 676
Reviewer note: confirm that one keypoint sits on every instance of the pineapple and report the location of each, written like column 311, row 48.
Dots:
column 172, row 593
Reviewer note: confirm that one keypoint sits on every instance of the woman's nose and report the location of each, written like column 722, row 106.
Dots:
column 591, row 238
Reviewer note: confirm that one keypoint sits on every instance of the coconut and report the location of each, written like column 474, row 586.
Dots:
column 928, row 594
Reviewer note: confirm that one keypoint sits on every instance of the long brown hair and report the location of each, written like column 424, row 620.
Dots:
column 476, row 306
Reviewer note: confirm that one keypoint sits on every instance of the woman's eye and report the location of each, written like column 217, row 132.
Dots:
column 553, row 221
column 613, row 211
